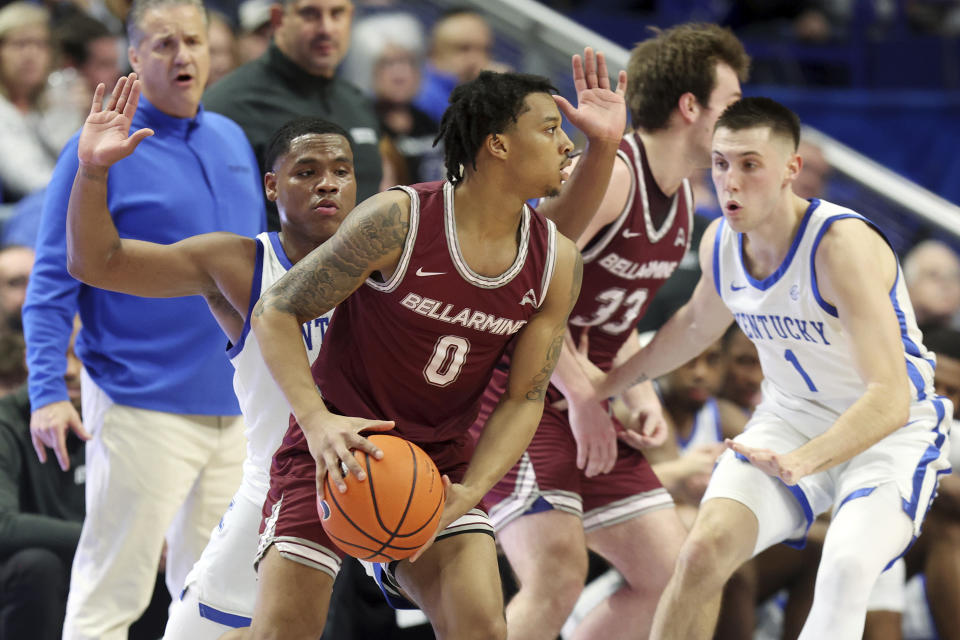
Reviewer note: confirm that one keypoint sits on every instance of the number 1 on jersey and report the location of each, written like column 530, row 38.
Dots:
column 792, row 359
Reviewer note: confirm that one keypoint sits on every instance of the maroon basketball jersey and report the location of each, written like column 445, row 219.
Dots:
column 420, row 347
column 629, row 260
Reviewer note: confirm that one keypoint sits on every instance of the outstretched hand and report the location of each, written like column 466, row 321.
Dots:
column 778, row 465
column 601, row 114
column 105, row 138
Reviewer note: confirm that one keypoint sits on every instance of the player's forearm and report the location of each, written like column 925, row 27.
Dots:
column 880, row 411
column 91, row 234
column 278, row 333
column 582, row 194
column 503, row 440
column 678, row 341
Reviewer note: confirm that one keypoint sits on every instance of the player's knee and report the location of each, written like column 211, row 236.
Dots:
column 705, row 558
column 849, row 575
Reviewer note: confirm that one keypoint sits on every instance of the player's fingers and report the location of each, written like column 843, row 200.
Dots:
column 621, row 83
column 332, row 465
column 117, row 90
column 125, row 94
column 76, row 425
column 581, row 456
column 60, row 450
column 97, row 104
column 603, row 77
column 347, row 459
column 584, row 347
column 590, row 68
column 39, row 447
column 565, row 107
column 579, row 82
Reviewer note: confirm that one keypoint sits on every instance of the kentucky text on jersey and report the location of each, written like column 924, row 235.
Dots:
column 631, row 270
column 760, row 327
column 307, row 330
column 465, row 317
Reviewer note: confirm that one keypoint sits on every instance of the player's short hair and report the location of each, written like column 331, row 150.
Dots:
column 139, row 9
column 761, row 112
column 479, row 108
column 682, row 59
column 280, row 142
column 943, row 341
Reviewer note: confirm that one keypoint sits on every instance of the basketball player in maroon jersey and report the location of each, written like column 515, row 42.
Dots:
column 431, row 283
column 577, row 486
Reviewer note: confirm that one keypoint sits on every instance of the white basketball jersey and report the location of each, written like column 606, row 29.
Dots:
column 805, row 355
column 264, row 406
column 706, row 428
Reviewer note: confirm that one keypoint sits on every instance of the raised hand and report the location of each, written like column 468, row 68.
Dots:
column 105, row 138
column 601, row 114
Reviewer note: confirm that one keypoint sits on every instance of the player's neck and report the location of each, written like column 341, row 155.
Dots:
column 296, row 247
column 766, row 245
column 487, row 207
column 669, row 158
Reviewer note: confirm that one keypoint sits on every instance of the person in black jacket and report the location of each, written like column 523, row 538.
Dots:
column 41, row 513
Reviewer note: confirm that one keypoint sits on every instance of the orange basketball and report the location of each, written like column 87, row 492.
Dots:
column 393, row 512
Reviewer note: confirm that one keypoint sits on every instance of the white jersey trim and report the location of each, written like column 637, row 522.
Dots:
column 614, row 227
column 551, row 261
column 401, row 271
column 468, row 274
column 654, row 235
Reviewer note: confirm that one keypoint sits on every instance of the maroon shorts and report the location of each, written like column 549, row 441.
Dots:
column 547, row 476
column 290, row 520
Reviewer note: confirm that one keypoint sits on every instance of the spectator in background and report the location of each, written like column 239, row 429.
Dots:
column 460, row 45
column 256, row 29
column 90, row 51
column 223, row 47
column 931, row 271
column 741, row 386
column 15, row 265
column 41, row 511
column 32, row 130
column 168, row 443
column 385, row 63
column 297, row 77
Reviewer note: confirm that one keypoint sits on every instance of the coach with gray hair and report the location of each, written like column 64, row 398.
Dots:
column 165, row 438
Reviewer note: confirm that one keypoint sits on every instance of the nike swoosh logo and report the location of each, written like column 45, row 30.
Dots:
column 421, row 272
column 631, row 234
column 734, row 287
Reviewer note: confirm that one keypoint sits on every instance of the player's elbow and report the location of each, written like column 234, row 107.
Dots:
column 895, row 402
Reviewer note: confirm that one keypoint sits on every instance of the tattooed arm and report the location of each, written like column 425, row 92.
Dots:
column 511, row 426
column 370, row 240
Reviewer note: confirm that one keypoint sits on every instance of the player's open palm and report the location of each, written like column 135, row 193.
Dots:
column 601, row 113
column 105, row 138
column 331, row 439
column 770, row 462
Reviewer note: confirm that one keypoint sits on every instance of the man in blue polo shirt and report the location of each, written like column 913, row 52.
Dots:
column 167, row 443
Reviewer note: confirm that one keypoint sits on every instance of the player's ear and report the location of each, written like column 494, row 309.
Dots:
column 270, row 185
column 689, row 107
column 497, row 145
column 794, row 166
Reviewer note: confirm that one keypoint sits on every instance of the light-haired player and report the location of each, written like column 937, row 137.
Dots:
column 311, row 179
column 849, row 418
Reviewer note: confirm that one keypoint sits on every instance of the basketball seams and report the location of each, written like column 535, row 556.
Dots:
column 330, row 493
column 406, row 508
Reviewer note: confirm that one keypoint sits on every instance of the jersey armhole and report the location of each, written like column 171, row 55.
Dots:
column 394, row 281
column 605, row 234
column 551, row 261
column 716, row 257
column 234, row 349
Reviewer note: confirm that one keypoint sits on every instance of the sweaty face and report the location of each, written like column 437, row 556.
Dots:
column 314, row 185
column 750, row 171
column 173, row 58
column 697, row 381
column 742, row 383
column 315, row 34
column 538, row 148
column 947, row 381
column 725, row 92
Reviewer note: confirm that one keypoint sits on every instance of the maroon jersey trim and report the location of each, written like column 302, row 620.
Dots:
column 654, row 235
column 614, row 228
column 453, row 244
column 407, row 254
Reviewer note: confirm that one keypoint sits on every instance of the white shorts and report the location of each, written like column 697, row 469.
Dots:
column 224, row 581
column 913, row 457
